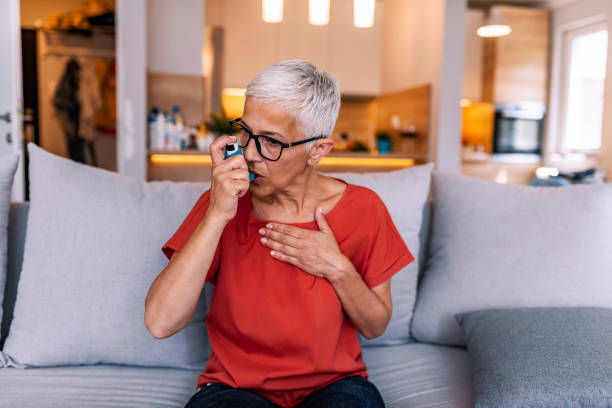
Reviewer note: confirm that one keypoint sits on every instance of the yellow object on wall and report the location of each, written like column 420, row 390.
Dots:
column 232, row 101
column 477, row 124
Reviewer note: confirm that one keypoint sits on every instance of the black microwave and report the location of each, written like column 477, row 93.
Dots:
column 518, row 127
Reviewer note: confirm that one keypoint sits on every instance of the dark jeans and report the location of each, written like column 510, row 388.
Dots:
column 350, row 392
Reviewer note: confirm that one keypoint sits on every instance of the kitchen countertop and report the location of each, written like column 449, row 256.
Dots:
column 519, row 158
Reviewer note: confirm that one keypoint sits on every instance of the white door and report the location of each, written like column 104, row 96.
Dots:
column 11, row 135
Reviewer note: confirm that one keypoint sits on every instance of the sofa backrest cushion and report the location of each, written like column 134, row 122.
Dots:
column 8, row 166
column 91, row 253
column 17, row 223
column 18, row 218
column 404, row 193
column 501, row 245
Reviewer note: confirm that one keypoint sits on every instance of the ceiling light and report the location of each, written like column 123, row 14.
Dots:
column 318, row 12
column 363, row 13
column 495, row 26
column 272, row 11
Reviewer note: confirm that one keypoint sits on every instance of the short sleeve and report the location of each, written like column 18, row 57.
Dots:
column 186, row 229
column 386, row 253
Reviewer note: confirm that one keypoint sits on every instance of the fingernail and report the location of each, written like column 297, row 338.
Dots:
column 269, row 226
column 262, row 231
column 272, row 252
column 320, row 210
column 263, row 240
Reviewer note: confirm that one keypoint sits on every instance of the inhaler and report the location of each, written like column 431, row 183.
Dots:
column 232, row 149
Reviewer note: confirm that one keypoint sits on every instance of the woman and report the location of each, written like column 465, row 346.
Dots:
column 300, row 260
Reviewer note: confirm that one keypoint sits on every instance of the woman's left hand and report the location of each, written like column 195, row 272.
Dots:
column 315, row 252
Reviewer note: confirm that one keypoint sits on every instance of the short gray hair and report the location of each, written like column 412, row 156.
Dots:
column 305, row 91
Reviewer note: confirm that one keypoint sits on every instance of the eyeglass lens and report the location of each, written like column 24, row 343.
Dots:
column 268, row 148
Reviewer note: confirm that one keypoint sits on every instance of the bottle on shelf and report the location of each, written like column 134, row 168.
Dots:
column 156, row 129
column 168, row 132
column 180, row 132
column 151, row 129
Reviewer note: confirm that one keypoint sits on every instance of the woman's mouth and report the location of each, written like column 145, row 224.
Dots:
column 258, row 177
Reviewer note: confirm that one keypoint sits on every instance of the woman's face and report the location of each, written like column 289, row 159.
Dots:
column 268, row 119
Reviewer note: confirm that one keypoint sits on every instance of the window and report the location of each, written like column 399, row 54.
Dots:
column 584, row 71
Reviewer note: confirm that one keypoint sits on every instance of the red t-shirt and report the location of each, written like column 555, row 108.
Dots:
column 275, row 329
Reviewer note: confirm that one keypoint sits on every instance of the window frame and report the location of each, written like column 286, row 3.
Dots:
column 567, row 35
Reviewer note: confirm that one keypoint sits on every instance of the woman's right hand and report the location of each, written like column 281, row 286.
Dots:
column 229, row 182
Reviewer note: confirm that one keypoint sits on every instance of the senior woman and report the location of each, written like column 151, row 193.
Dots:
column 299, row 260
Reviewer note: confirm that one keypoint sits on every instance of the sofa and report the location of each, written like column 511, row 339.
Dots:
column 409, row 375
column 430, row 368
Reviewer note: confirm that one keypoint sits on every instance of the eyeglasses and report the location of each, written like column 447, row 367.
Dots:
column 268, row 147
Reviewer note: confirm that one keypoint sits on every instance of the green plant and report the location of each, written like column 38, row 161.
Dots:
column 219, row 123
column 359, row 146
column 382, row 135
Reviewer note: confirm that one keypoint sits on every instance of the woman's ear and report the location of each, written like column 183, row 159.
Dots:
column 321, row 148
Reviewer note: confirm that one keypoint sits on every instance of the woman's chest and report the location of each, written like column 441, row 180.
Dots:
column 255, row 290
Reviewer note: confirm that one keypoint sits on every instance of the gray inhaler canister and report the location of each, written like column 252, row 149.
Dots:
column 232, row 149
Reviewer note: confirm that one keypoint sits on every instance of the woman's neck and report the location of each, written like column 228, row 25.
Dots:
column 295, row 203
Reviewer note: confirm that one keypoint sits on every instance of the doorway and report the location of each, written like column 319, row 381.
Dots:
column 69, row 80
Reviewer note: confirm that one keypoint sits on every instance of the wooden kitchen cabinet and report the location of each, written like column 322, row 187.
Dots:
column 250, row 44
column 515, row 67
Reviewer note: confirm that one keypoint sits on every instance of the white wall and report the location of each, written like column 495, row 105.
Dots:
column 351, row 53
column 131, row 47
column 411, row 43
column 10, row 92
column 472, row 64
column 175, row 36
column 423, row 42
column 563, row 18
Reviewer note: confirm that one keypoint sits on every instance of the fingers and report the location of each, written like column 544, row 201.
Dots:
column 234, row 163
column 217, row 148
column 280, row 247
column 235, row 182
column 281, row 237
column 241, row 187
column 285, row 258
column 290, row 230
column 321, row 221
column 236, row 174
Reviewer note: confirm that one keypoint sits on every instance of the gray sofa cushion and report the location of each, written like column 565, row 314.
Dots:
column 421, row 375
column 8, row 166
column 500, row 245
column 410, row 375
column 18, row 219
column 404, row 193
column 540, row 357
column 91, row 254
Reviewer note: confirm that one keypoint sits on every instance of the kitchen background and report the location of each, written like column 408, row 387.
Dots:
column 421, row 81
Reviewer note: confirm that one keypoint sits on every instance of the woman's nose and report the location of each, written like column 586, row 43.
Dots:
column 250, row 152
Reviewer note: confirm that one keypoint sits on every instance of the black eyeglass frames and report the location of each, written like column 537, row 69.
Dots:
column 268, row 147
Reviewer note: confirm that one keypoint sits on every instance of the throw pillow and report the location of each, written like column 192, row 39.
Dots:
column 501, row 245
column 91, row 254
column 8, row 167
column 404, row 193
column 540, row 357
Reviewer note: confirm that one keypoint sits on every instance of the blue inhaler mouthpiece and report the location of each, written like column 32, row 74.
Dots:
column 233, row 149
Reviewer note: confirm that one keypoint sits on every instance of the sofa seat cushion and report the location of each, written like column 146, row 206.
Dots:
column 421, row 375
column 410, row 375
column 102, row 385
